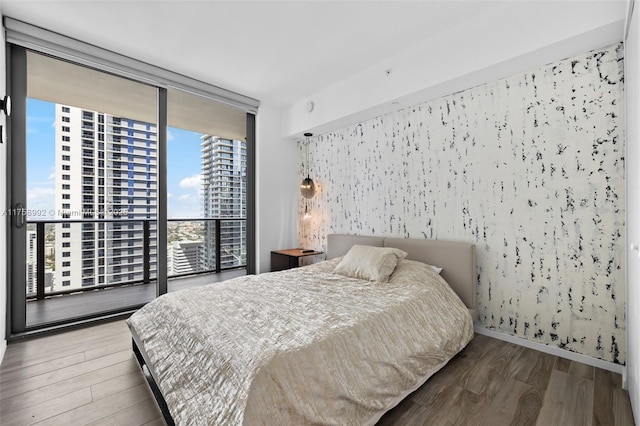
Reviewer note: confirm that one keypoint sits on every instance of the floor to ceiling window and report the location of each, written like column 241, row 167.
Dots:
column 121, row 186
column 206, row 183
column 91, row 192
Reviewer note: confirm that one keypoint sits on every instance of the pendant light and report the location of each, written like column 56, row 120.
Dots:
column 307, row 187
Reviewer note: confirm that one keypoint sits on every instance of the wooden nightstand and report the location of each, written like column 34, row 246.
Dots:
column 289, row 258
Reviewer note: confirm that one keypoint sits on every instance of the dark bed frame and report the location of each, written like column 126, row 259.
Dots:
column 162, row 404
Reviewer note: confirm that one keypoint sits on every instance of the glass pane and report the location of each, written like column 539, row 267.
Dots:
column 206, row 179
column 92, row 187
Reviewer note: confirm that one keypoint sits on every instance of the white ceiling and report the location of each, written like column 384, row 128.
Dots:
column 275, row 51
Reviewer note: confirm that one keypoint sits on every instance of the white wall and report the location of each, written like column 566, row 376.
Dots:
column 276, row 187
column 3, row 206
column 472, row 53
column 632, row 83
column 530, row 168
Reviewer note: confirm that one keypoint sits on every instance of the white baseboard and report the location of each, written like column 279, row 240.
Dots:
column 563, row 353
column 3, row 348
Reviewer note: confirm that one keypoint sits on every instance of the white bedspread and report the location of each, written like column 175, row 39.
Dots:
column 302, row 346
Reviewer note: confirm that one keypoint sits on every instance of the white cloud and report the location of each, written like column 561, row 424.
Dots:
column 169, row 195
column 189, row 204
column 170, row 136
column 39, row 192
column 185, row 206
column 191, row 182
column 41, row 199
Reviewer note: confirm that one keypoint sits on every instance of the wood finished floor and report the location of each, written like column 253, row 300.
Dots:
column 90, row 377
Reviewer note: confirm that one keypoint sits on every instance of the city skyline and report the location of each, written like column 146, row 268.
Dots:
column 183, row 166
column 105, row 167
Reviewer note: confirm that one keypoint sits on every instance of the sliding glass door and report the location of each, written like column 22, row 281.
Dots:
column 117, row 185
column 84, row 191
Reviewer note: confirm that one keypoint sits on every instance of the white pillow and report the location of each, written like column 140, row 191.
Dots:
column 370, row 263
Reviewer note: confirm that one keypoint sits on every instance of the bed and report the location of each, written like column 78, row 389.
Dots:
column 309, row 345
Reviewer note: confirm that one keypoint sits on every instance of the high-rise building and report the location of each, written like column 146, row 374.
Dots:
column 32, row 261
column 224, row 165
column 106, row 170
column 186, row 257
column 32, row 265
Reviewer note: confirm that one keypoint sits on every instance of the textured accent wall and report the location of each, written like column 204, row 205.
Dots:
column 530, row 168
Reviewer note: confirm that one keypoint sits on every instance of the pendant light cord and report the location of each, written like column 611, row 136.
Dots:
column 308, row 173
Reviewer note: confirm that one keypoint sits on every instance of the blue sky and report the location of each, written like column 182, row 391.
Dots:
column 183, row 165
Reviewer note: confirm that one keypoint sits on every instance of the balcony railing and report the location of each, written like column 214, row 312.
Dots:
column 210, row 246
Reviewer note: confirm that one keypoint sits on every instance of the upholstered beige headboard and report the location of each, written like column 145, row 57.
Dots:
column 457, row 259
column 339, row 244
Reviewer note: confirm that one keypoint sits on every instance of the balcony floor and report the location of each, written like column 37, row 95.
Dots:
column 55, row 310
